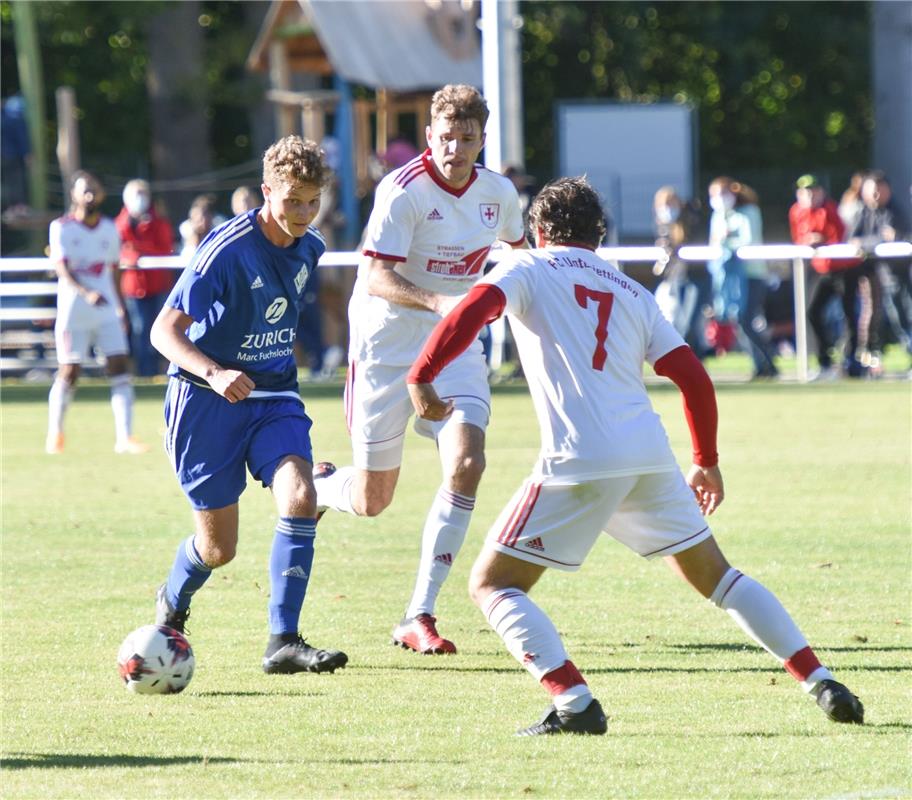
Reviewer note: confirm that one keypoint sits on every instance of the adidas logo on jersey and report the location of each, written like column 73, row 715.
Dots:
column 434, row 215
column 294, row 572
column 257, row 283
column 445, row 558
column 536, row 544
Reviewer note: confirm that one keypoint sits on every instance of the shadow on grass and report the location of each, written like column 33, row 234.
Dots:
column 859, row 648
column 287, row 693
column 638, row 670
column 19, row 760
column 86, row 761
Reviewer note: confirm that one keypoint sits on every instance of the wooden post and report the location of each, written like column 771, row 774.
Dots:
column 280, row 78
column 68, row 155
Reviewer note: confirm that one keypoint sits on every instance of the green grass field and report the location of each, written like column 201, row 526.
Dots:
column 818, row 508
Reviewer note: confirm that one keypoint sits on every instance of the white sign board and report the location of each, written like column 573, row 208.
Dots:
column 628, row 150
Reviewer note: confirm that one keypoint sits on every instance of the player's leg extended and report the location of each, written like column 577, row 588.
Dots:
column 58, row 401
column 213, row 545
column 499, row 586
column 122, row 399
column 377, row 413
column 762, row 617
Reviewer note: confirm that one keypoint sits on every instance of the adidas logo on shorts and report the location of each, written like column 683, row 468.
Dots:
column 536, row 544
column 445, row 558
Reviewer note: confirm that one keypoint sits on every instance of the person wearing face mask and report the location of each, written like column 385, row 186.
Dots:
column 143, row 233
column 815, row 220
column 739, row 285
column 684, row 290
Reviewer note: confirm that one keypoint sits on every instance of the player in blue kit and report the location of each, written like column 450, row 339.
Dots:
column 232, row 402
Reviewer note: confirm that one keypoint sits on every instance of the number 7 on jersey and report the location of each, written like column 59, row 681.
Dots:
column 604, row 300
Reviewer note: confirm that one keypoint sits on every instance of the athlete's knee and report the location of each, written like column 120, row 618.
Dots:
column 373, row 492
column 217, row 554
column 468, row 468
column 371, row 505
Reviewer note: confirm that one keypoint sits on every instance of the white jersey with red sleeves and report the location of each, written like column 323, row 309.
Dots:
column 91, row 255
column 439, row 238
column 583, row 330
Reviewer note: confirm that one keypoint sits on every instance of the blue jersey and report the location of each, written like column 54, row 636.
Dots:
column 245, row 295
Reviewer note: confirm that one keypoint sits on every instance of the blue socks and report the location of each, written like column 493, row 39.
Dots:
column 188, row 574
column 289, row 571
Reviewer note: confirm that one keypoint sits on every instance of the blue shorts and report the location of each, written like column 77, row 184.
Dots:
column 212, row 442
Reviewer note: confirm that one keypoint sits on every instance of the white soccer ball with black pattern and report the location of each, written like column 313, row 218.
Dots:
column 155, row 659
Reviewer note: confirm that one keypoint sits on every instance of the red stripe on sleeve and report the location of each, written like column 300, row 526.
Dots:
column 685, row 369
column 383, row 256
column 456, row 331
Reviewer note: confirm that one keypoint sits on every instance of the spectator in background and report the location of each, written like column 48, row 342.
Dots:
column 850, row 204
column 524, row 187
column 739, row 285
column 201, row 219
column 15, row 150
column 143, row 233
column 683, row 292
column 244, row 199
column 399, row 151
column 815, row 220
column 890, row 287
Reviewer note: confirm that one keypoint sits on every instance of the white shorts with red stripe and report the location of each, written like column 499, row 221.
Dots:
column 378, row 408
column 105, row 332
column 556, row 525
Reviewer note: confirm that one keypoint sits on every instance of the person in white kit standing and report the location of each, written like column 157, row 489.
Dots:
column 85, row 251
column 433, row 222
column 583, row 331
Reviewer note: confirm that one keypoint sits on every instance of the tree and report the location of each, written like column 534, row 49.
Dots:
column 781, row 86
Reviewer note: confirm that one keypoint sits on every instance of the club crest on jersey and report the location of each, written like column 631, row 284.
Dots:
column 276, row 310
column 490, row 214
column 301, row 278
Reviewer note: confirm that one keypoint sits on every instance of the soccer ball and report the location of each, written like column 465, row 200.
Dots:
column 155, row 659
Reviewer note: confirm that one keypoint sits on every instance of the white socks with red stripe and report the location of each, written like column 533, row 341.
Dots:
column 762, row 617
column 122, row 396
column 58, row 399
column 444, row 532
column 534, row 642
column 334, row 491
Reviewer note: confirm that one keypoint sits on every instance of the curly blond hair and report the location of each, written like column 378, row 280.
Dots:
column 456, row 101
column 294, row 161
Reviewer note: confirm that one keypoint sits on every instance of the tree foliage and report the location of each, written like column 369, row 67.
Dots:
column 778, row 83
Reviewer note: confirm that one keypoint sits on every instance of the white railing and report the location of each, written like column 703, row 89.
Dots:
column 797, row 254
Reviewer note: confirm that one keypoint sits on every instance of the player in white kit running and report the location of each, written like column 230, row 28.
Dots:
column 433, row 223
column 583, row 331
column 85, row 250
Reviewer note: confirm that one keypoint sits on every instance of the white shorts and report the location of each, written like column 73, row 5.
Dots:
column 378, row 408
column 106, row 333
column 557, row 525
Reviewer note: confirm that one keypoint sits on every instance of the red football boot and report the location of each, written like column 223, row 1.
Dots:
column 420, row 634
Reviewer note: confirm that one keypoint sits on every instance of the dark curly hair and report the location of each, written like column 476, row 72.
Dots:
column 568, row 211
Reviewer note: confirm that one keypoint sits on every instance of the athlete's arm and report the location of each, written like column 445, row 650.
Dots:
column 65, row 275
column 383, row 281
column 701, row 412
column 451, row 337
column 169, row 337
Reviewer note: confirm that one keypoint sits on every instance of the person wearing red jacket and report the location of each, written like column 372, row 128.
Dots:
column 143, row 233
column 814, row 220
